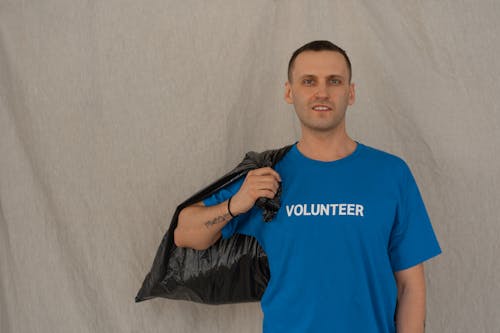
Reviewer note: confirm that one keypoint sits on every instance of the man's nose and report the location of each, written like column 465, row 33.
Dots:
column 321, row 92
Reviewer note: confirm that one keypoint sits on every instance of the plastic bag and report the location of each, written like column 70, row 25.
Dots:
column 232, row 270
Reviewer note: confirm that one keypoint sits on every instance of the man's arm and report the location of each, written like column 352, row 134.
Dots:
column 410, row 316
column 199, row 227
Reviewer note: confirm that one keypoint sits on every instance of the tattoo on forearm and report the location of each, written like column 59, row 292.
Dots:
column 218, row 219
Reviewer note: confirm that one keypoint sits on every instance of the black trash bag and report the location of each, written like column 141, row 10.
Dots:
column 232, row 270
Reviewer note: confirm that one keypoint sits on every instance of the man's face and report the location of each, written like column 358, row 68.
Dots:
column 320, row 91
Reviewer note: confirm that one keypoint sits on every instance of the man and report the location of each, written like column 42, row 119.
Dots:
column 349, row 241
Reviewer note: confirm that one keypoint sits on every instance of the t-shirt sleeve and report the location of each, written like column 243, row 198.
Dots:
column 412, row 237
column 222, row 195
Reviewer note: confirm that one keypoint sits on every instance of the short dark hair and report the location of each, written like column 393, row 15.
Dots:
column 318, row 45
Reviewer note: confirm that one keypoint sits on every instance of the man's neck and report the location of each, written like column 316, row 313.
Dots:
column 326, row 148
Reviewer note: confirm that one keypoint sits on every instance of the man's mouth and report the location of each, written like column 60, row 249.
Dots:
column 321, row 108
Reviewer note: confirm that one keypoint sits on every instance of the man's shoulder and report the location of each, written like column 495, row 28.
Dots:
column 268, row 157
column 378, row 155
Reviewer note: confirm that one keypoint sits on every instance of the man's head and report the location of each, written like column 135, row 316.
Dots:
column 318, row 45
column 320, row 88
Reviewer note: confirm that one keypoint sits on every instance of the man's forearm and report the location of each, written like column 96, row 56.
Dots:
column 410, row 316
column 198, row 225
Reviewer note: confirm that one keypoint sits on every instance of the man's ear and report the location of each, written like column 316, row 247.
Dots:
column 288, row 93
column 352, row 94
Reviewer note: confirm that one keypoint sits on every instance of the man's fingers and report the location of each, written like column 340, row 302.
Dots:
column 267, row 184
column 266, row 193
column 266, row 171
column 262, row 182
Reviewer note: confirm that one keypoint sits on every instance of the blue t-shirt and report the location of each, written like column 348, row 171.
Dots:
column 343, row 229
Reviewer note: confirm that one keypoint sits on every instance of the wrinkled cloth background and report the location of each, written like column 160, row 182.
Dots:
column 112, row 113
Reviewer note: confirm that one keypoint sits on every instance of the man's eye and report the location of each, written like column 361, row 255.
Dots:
column 307, row 82
column 335, row 81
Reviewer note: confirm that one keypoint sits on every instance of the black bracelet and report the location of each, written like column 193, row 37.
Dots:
column 229, row 210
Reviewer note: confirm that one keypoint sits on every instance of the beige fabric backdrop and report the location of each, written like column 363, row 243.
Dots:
column 112, row 113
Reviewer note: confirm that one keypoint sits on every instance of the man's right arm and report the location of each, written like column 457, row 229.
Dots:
column 199, row 226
